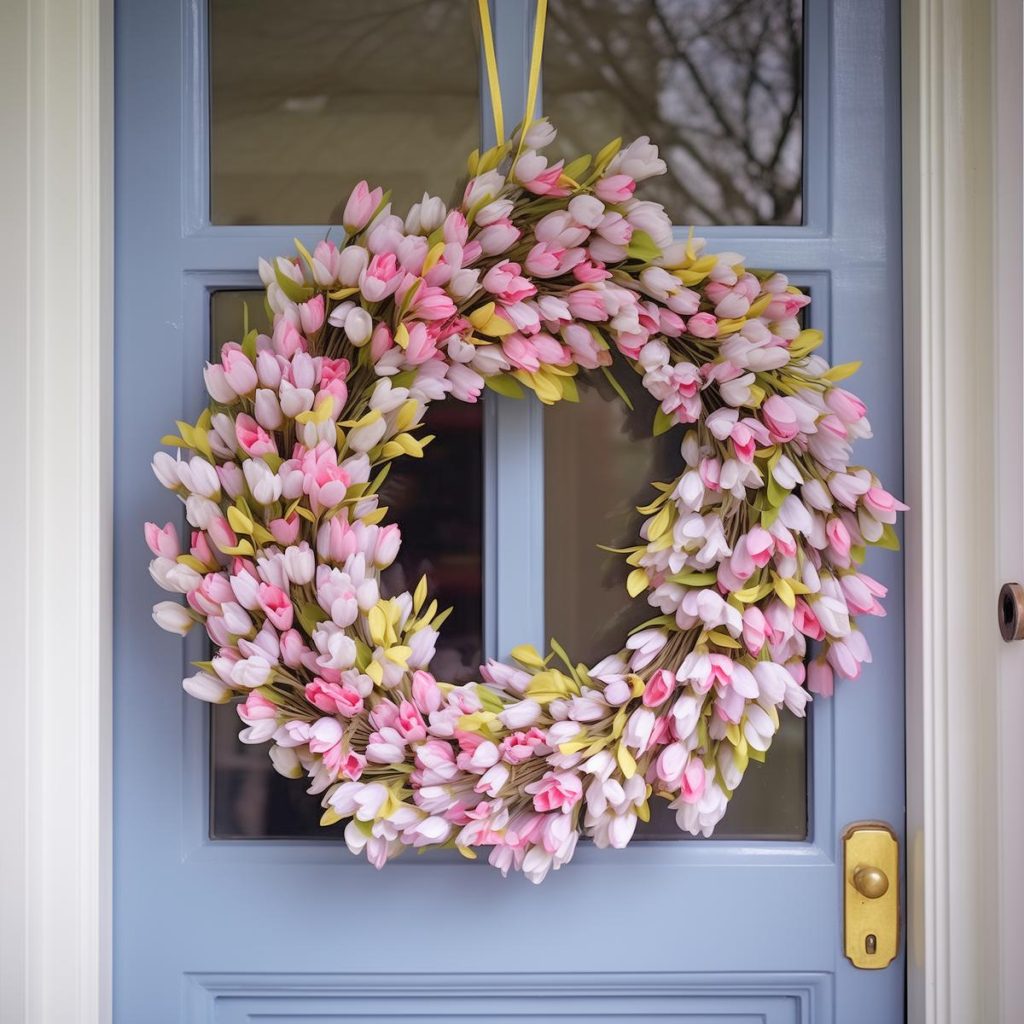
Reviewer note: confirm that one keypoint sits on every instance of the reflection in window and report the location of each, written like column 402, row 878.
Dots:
column 717, row 84
column 592, row 500
column 438, row 503
column 307, row 99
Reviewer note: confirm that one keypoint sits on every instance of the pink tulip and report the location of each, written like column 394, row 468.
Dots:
column 882, row 505
column 556, row 791
column 334, row 698
column 425, row 692
column 285, row 531
column 381, row 278
column 361, row 206
column 659, row 687
column 163, row 542
column 252, row 438
column 694, row 781
column 498, row 237
column 239, row 371
column 819, row 678
column 618, row 188
column 277, row 606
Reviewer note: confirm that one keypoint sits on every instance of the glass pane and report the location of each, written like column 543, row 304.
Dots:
column 592, row 501
column 718, row 86
column 438, row 502
column 308, row 99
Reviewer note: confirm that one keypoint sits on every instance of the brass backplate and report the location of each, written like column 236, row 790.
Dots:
column 872, row 926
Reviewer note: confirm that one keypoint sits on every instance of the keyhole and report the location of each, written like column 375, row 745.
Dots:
column 871, row 945
column 1010, row 612
column 1008, row 609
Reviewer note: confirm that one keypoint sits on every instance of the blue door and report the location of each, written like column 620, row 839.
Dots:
column 240, row 125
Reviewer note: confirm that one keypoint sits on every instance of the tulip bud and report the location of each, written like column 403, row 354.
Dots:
column 358, row 326
column 203, row 686
column 173, row 617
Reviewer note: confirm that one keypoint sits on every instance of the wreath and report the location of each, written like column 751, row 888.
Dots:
column 542, row 271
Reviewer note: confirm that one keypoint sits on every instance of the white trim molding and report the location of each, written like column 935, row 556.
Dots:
column 962, row 160
column 964, row 370
column 56, row 222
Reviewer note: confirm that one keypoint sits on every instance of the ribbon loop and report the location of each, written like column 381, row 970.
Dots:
column 494, row 80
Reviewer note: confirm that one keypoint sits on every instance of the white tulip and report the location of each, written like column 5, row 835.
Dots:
column 263, row 482
column 173, row 617
column 203, row 686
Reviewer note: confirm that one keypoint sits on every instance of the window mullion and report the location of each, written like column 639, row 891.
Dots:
column 514, row 475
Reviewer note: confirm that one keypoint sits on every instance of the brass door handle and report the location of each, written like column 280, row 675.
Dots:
column 871, row 897
column 870, row 882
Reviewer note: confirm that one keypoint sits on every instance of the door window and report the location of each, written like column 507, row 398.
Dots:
column 300, row 109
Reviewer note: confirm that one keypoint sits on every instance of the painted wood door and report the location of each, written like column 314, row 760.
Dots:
column 222, row 916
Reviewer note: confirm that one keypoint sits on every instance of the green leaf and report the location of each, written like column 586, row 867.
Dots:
column 777, row 494
column 570, row 393
column 694, row 579
column 504, row 385
column 607, row 153
column 560, row 651
column 663, row 422
column 642, row 247
column 295, row 291
column 577, row 167
column 888, row 540
column 310, row 616
column 617, row 387
column 249, row 340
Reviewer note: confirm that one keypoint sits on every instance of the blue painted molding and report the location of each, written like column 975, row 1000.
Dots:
column 720, row 998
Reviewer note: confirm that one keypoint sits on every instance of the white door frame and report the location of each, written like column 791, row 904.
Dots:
column 962, row 199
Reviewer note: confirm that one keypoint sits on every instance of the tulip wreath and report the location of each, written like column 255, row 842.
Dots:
column 542, row 271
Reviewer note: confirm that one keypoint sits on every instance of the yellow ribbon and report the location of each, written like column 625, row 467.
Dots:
column 535, row 62
column 493, row 81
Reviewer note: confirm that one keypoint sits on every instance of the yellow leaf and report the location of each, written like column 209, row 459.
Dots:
column 465, row 851
column 398, row 654
column 480, row 316
column 626, row 761
column 402, row 336
column 637, row 582
column 727, row 326
column 378, row 623
column 330, row 817
column 435, row 253
column 526, row 654
column 547, row 386
column 574, row 746
column 841, row 372
column 660, row 523
column 723, row 639
column 238, row 521
column 785, row 592
column 805, row 342
column 618, row 723
column 406, row 414
column 420, row 595
column 375, row 672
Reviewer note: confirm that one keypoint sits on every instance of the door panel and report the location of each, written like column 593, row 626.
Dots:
column 736, row 929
